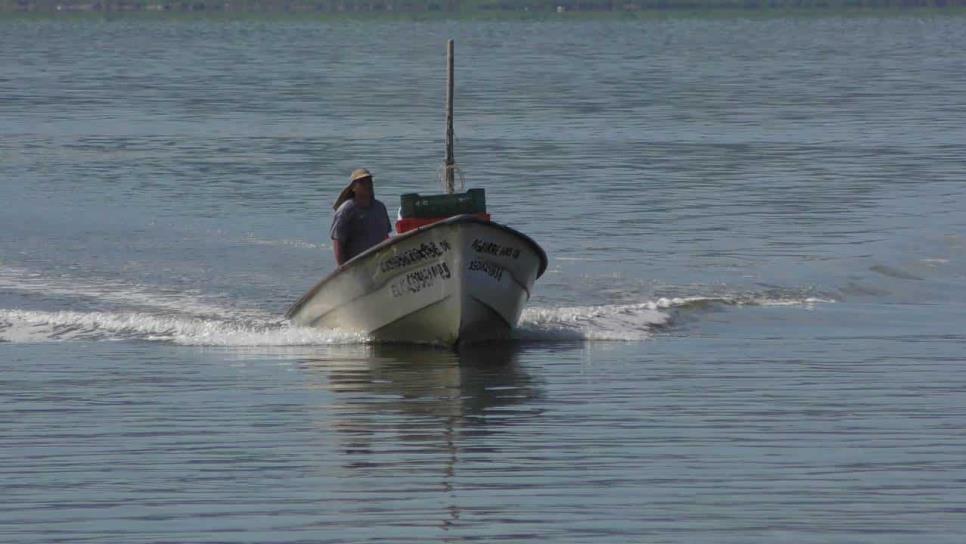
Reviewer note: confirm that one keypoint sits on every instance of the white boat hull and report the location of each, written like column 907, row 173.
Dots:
column 461, row 280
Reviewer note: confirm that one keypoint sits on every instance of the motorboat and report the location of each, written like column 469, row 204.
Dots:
column 459, row 280
column 449, row 276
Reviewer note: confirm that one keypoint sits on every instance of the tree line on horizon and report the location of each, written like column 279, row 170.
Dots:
column 447, row 6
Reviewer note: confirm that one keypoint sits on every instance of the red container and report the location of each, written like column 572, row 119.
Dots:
column 410, row 223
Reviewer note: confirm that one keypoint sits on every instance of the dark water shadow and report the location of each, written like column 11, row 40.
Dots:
column 400, row 379
column 403, row 396
column 412, row 414
column 433, row 397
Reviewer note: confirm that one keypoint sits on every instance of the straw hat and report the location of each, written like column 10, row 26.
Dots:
column 347, row 193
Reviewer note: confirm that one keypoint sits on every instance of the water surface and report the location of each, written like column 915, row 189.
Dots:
column 750, row 331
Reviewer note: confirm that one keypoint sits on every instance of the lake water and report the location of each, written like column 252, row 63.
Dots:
column 751, row 330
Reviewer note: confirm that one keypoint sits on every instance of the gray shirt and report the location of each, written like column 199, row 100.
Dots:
column 360, row 228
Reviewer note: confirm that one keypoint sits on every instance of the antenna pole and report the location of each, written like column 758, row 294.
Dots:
column 450, row 161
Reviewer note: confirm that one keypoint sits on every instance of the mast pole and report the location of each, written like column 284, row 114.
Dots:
column 450, row 164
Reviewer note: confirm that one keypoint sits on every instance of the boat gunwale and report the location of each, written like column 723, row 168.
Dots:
column 458, row 219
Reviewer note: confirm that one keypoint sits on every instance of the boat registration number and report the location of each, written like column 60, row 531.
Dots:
column 417, row 280
column 492, row 270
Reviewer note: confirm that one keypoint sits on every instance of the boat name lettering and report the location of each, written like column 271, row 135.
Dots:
column 417, row 280
column 426, row 250
column 492, row 248
column 492, row 270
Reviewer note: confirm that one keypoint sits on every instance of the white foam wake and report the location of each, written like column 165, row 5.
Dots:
column 632, row 322
column 608, row 322
column 123, row 294
column 34, row 326
column 206, row 325
column 298, row 244
column 629, row 322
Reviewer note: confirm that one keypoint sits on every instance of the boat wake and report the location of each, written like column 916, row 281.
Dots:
column 116, row 293
column 130, row 312
column 625, row 322
column 34, row 326
column 632, row 322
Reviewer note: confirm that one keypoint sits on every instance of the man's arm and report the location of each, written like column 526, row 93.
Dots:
column 388, row 223
column 338, row 233
column 339, row 248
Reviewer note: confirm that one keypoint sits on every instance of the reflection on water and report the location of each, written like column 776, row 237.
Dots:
column 404, row 410
column 468, row 389
column 431, row 393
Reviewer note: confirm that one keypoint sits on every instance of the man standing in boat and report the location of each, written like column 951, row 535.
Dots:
column 360, row 220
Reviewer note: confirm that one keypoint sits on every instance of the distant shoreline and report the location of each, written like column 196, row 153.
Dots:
column 450, row 9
